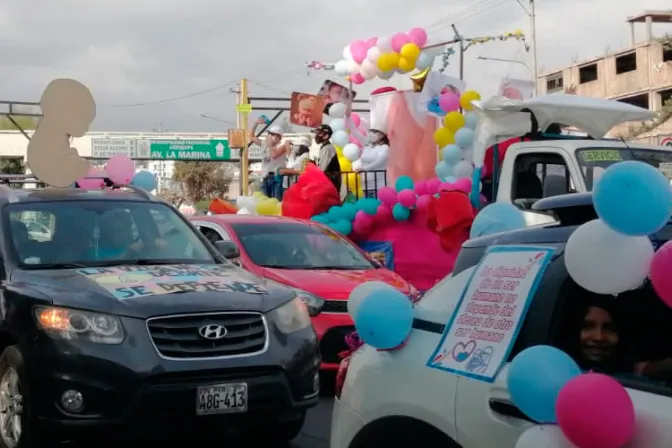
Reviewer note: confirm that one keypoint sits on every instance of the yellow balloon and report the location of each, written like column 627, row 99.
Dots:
column 467, row 97
column 443, row 137
column 406, row 65
column 258, row 194
column 453, row 121
column 388, row 61
column 345, row 164
column 339, row 151
column 410, row 51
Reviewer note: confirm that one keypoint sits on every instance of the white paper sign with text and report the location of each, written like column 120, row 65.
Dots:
column 481, row 332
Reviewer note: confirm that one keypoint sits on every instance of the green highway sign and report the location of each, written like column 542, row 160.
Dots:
column 214, row 150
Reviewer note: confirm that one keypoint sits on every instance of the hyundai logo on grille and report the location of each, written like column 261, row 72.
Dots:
column 212, row 332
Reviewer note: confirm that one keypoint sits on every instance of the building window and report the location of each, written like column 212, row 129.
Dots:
column 587, row 73
column 641, row 100
column 667, row 54
column 554, row 83
column 665, row 96
column 626, row 63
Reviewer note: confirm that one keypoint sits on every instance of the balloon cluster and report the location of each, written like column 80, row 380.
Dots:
column 393, row 204
column 120, row 170
column 348, row 139
column 590, row 410
column 382, row 57
column 383, row 315
column 614, row 253
column 258, row 204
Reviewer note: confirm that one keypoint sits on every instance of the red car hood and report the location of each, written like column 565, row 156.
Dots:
column 334, row 284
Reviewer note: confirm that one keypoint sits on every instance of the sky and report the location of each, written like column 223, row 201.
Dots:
column 163, row 64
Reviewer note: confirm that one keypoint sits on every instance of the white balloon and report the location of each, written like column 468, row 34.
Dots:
column 340, row 138
column 347, row 54
column 355, row 68
column 463, row 169
column 606, row 262
column 243, row 211
column 337, row 124
column 338, row 110
column 360, row 292
column 368, row 75
column 384, row 44
column 357, row 164
column 543, row 436
column 386, row 75
column 369, row 69
column 342, row 68
column 351, row 152
column 373, row 54
column 468, row 154
column 425, row 60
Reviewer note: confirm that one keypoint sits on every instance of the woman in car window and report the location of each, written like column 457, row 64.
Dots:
column 116, row 237
column 601, row 344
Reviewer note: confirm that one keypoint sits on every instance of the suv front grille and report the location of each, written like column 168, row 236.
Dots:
column 179, row 336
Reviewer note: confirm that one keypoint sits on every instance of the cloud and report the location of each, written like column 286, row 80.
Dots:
column 131, row 51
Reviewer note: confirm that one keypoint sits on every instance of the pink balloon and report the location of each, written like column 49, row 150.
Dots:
column 388, row 196
column 384, row 214
column 433, row 185
column 660, row 269
column 371, row 42
column 418, row 36
column 406, row 198
column 363, row 131
column 398, row 41
column 421, row 187
column 447, row 186
column 358, row 49
column 463, row 184
column 356, row 119
column 362, row 223
column 120, row 169
column 484, row 200
column 449, row 102
column 355, row 141
column 357, row 79
column 92, row 184
column 423, row 202
column 594, row 410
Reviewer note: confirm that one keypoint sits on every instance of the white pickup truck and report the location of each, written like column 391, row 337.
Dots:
column 554, row 164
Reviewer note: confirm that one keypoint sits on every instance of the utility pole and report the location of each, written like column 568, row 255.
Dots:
column 531, row 12
column 244, row 153
column 459, row 39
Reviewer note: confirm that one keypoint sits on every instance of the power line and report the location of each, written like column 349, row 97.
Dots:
column 178, row 98
column 463, row 14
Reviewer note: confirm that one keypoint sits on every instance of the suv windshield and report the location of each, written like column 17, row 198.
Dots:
column 594, row 161
column 298, row 246
column 95, row 233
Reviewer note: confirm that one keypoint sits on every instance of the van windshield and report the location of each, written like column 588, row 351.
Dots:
column 595, row 161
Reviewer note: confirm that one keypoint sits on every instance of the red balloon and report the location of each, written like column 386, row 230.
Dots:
column 660, row 268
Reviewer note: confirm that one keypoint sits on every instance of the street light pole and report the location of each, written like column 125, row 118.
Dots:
column 531, row 12
column 513, row 61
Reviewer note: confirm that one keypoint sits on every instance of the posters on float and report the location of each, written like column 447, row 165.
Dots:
column 436, row 84
column 130, row 282
column 333, row 92
column 481, row 332
column 306, row 109
column 381, row 251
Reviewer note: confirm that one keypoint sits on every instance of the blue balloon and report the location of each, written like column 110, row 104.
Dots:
column 400, row 213
column 451, row 154
column 470, row 120
column 343, row 226
column 368, row 205
column 349, row 210
column 536, row 376
column 145, row 180
column 443, row 170
column 404, row 183
column 633, row 198
column 335, row 213
column 495, row 218
column 434, row 107
column 464, row 138
column 384, row 318
column 451, row 179
column 322, row 218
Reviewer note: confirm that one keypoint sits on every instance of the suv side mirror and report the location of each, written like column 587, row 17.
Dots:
column 228, row 248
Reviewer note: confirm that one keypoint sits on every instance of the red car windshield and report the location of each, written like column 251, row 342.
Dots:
column 299, row 246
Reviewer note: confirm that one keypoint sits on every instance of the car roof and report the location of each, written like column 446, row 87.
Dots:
column 10, row 195
column 252, row 219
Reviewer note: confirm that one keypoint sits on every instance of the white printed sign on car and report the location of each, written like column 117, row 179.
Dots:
column 481, row 332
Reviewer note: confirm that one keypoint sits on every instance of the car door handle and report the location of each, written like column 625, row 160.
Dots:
column 509, row 409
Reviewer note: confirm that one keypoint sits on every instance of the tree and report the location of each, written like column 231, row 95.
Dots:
column 12, row 165
column 203, row 180
column 662, row 116
column 27, row 123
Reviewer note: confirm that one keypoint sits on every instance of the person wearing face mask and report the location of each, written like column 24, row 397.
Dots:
column 275, row 157
column 296, row 162
column 374, row 158
column 328, row 159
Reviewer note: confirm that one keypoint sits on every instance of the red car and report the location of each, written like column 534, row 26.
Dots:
column 306, row 256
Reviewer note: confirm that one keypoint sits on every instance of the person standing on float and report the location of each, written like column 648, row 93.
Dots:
column 274, row 158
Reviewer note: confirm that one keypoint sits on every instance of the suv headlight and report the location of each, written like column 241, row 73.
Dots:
column 75, row 324
column 313, row 303
column 291, row 317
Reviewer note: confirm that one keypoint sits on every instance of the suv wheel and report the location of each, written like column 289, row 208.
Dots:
column 16, row 424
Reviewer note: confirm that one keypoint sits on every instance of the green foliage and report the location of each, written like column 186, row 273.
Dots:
column 664, row 114
column 203, row 180
column 12, row 166
column 27, row 123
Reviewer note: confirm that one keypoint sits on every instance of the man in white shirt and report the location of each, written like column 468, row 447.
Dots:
column 275, row 157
